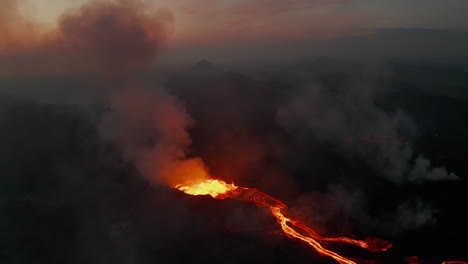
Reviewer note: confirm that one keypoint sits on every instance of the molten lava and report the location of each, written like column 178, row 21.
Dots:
column 220, row 190
column 216, row 188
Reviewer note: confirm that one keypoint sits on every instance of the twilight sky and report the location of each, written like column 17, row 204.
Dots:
column 205, row 21
column 215, row 27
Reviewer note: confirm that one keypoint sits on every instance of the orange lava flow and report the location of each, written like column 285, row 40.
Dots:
column 309, row 240
column 216, row 188
column 371, row 244
column 454, row 262
column 220, row 190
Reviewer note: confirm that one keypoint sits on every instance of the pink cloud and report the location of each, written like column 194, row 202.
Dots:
column 275, row 7
column 247, row 20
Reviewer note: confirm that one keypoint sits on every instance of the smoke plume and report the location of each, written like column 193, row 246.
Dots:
column 122, row 40
column 349, row 118
column 117, row 42
column 151, row 126
column 112, row 37
column 122, row 37
column 423, row 171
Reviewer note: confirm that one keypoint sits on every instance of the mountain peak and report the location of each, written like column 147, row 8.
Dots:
column 204, row 65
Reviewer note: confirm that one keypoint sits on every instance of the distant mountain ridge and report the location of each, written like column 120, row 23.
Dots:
column 204, row 66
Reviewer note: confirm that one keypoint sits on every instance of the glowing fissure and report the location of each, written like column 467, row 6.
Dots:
column 221, row 190
column 216, row 188
column 283, row 221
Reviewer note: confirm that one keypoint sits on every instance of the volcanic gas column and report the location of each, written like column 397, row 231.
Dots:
column 221, row 190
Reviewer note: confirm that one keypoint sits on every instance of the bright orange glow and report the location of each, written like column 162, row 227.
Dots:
column 216, row 188
column 372, row 244
column 221, row 190
column 309, row 240
column 454, row 262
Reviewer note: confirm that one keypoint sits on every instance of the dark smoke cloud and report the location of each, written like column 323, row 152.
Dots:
column 340, row 118
column 423, row 171
column 347, row 116
column 410, row 215
column 122, row 40
column 122, row 37
column 118, row 42
column 341, row 209
column 117, row 38
column 150, row 127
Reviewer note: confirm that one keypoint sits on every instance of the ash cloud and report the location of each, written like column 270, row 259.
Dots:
column 423, row 171
column 150, row 126
column 339, row 208
column 348, row 117
column 347, row 143
column 117, row 38
column 116, row 43
column 409, row 215
column 122, row 37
